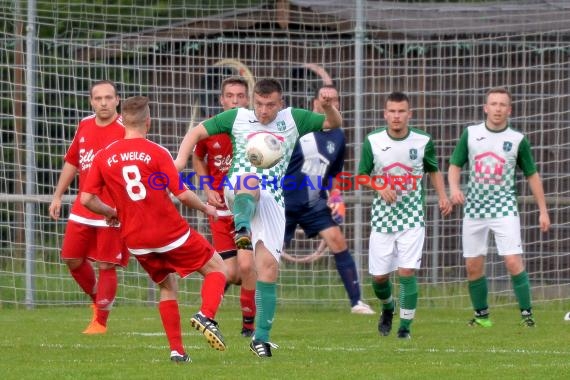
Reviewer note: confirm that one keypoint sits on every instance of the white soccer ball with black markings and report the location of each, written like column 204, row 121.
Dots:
column 264, row 149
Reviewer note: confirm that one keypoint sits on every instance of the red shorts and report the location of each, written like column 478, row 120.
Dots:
column 223, row 233
column 184, row 260
column 103, row 244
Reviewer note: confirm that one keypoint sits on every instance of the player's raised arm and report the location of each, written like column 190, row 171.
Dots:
column 333, row 118
column 188, row 143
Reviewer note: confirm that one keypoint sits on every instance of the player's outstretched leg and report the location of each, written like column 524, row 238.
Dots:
column 244, row 209
column 212, row 293
column 209, row 328
column 346, row 268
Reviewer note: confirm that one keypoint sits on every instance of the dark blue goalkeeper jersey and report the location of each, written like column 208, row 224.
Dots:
column 317, row 158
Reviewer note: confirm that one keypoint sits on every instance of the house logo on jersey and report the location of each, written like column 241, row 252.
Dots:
column 400, row 177
column 413, row 154
column 281, row 126
column 330, row 147
column 216, row 145
column 507, row 146
column 489, row 168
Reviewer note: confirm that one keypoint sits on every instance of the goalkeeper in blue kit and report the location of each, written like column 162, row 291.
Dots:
column 316, row 159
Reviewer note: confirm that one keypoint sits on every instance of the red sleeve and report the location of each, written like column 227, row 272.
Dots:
column 201, row 149
column 94, row 182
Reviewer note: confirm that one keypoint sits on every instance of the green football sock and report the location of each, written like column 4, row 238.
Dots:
column 244, row 208
column 478, row 292
column 408, row 300
column 521, row 286
column 265, row 302
column 383, row 292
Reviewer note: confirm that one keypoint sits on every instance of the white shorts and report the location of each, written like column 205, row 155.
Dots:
column 506, row 230
column 390, row 251
column 268, row 223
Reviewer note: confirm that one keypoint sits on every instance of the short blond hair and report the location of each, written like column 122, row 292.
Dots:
column 135, row 111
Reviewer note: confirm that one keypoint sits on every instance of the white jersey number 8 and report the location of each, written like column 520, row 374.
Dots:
column 129, row 172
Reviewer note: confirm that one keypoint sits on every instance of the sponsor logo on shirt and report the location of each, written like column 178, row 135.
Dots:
column 489, row 168
column 86, row 158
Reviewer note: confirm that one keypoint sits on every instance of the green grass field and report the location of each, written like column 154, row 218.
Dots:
column 315, row 343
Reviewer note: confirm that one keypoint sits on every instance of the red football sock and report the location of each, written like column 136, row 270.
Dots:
column 84, row 275
column 170, row 316
column 106, row 292
column 212, row 293
column 247, row 302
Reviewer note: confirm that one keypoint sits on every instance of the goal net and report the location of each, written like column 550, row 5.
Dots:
column 444, row 55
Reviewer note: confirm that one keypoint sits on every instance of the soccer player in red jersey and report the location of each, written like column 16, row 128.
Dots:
column 87, row 236
column 139, row 176
column 212, row 158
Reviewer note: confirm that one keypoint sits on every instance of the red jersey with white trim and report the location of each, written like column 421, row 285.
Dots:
column 137, row 172
column 89, row 139
column 217, row 149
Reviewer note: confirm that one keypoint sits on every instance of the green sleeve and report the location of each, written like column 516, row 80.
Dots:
column 430, row 159
column 366, row 164
column 307, row 121
column 460, row 154
column 221, row 123
column 524, row 158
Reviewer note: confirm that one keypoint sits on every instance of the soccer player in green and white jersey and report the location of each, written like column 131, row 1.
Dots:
column 255, row 195
column 493, row 150
column 395, row 158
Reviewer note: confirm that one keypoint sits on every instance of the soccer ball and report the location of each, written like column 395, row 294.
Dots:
column 567, row 316
column 264, row 149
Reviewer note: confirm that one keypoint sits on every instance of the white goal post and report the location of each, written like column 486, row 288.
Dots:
column 444, row 55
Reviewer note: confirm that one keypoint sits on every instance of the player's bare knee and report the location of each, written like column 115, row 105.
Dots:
column 246, row 266
column 380, row 279
column 514, row 264
column 232, row 275
column 337, row 244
